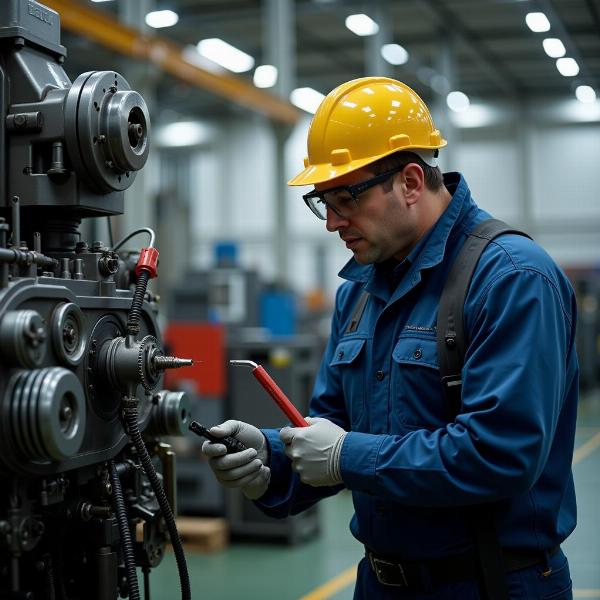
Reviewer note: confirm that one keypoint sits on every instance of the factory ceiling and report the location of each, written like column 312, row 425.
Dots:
column 493, row 54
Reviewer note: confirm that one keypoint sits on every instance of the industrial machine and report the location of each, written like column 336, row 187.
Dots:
column 81, row 359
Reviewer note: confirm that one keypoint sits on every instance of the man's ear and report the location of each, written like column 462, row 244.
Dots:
column 412, row 180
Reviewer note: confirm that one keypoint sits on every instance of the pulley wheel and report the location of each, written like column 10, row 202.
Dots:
column 22, row 338
column 106, row 130
column 47, row 412
column 68, row 333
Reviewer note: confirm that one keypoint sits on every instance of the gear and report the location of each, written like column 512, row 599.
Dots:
column 148, row 375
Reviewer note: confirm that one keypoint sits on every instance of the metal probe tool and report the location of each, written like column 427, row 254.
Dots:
column 274, row 391
column 231, row 443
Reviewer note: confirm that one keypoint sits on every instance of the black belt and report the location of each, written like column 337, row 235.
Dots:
column 428, row 574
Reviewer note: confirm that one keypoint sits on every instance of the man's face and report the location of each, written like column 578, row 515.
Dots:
column 383, row 225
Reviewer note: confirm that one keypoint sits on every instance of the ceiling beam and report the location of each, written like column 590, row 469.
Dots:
column 101, row 28
column 446, row 20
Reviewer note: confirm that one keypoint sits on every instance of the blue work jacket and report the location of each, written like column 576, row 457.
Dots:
column 411, row 472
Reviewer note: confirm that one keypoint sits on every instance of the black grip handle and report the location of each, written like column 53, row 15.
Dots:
column 231, row 443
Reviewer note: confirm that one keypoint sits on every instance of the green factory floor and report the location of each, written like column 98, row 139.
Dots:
column 324, row 568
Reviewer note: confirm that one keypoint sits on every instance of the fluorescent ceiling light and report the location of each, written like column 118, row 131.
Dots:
column 191, row 55
column 161, row 18
column 183, row 133
column 307, row 99
column 585, row 94
column 225, row 54
column 478, row 115
column 395, row 54
column 101, row 0
column 361, row 25
column 567, row 67
column 554, row 48
column 457, row 101
column 265, row 76
column 537, row 22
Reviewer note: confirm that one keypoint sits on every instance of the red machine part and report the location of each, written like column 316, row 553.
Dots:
column 205, row 343
column 148, row 261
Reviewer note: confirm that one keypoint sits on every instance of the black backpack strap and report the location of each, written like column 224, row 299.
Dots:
column 451, row 341
column 451, row 344
column 358, row 312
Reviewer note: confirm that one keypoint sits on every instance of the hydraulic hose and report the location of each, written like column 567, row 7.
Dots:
column 126, row 540
column 131, row 420
column 133, row 319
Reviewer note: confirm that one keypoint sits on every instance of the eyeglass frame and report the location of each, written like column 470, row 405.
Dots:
column 355, row 190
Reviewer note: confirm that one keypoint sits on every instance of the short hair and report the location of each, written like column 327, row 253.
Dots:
column 433, row 175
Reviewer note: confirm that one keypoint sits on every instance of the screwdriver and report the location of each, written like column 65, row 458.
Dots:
column 274, row 391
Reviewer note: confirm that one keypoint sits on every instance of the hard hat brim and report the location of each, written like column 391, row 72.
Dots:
column 326, row 172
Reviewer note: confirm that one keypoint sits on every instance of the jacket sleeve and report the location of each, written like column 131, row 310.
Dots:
column 287, row 494
column 514, row 380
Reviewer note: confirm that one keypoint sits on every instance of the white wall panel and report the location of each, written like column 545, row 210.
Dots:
column 565, row 165
column 300, row 219
column 248, row 150
column 491, row 167
column 205, row 193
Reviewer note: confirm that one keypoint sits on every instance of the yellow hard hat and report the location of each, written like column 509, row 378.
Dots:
column 362, row 121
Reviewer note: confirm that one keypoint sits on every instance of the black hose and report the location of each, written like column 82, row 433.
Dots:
column 133, row 319
column 146, row 583
column 126, row 540
column 50, row 585
column 131, row 419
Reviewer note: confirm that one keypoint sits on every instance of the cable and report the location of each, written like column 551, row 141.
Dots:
column 131, row 420
column 126, row 540
column 133, row 233
column 110, row 231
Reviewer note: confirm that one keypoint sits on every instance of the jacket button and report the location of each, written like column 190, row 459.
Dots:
column 418, row 353
column 341, row 354
column 380, row 375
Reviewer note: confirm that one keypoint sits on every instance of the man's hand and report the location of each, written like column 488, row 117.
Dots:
column 315, row 451
column 247, row 470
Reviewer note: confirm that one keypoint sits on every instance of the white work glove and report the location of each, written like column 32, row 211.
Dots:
column 246, row 470
column 315, row 451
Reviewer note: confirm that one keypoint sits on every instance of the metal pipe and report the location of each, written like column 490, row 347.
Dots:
column 106, row 573
column 3, row 265
column 15, row 579
column 26, row 257
column 16, row 220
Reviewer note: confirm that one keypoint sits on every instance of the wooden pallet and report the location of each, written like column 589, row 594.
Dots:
column 201, row 534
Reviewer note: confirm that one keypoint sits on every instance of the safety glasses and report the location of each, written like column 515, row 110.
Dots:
column 343, row 199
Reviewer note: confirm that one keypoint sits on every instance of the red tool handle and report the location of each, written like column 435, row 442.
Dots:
column 282, row 400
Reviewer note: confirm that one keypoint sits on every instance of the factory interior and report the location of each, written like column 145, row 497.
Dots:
column 134, row 129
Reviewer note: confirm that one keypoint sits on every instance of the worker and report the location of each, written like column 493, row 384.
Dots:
column 378, row 423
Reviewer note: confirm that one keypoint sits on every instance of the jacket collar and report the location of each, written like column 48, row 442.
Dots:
column 430, row 249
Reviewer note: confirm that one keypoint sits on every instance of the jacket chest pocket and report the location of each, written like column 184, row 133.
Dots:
column 417, row 391
column 348, row 364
